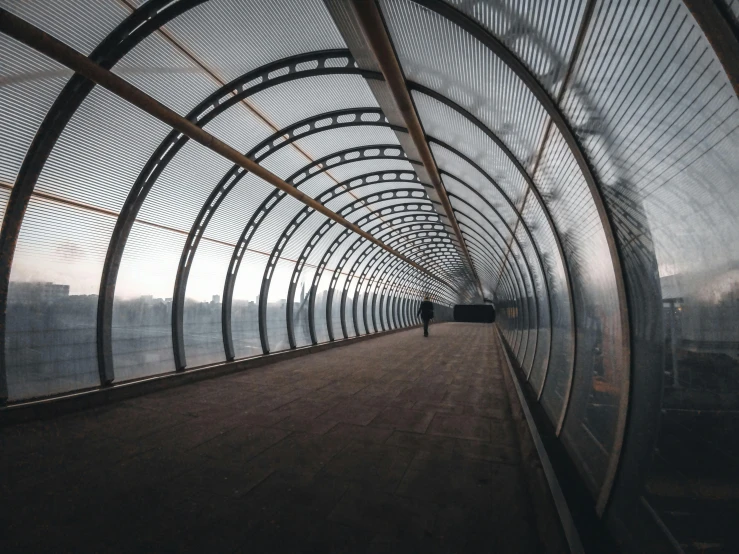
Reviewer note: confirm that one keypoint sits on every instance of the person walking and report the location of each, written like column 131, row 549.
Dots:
column 426, row 312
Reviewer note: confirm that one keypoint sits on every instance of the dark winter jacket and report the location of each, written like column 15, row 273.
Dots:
column 426, row 310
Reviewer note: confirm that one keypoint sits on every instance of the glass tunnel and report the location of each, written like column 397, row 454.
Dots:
column 283, row 174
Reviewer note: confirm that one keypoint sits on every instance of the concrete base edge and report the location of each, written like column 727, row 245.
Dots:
column 543, row 484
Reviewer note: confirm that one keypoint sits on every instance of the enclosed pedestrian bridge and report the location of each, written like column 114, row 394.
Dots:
column 220, row 218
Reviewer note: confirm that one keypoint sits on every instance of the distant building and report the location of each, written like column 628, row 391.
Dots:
column 216, row 299
column 36, row 292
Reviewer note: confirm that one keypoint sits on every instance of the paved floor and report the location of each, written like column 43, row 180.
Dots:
column 395, row 444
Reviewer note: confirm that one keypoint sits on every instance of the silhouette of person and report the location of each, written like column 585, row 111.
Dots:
column 426, row 311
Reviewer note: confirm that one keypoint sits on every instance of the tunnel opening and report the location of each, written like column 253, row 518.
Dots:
column 192, row 188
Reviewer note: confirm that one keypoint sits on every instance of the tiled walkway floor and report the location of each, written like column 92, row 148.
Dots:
column 395, row 444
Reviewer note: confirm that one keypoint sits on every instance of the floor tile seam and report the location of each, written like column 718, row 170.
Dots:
column 288, row 431
column 314, row 418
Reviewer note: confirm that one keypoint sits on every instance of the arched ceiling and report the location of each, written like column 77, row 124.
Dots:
column 542, row 155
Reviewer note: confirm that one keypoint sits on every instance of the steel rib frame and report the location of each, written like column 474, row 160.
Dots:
column 555, row 234
column 523, row 288
column 520, row 248
column 304, row 171
column 528, row 179
column 316, row 281
column 355, row 248
column 362, row 280
column 120, row 41
column 413, row 214
column 37, row 39
column 300, row 177
column 260, row 152
column 338, row 271
column 293, row 226
column 314, row 240
column 483, row 248
column 508, row 201
column 462, row 210
column 368, row 17
column 392, row 286
column 368, row 248
column 228, row 290
column 474, row 29
column 391, row 289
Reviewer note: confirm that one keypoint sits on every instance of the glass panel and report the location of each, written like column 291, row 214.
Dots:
column 662, row 120
column 320, row 313
column 430, row 47
column 142, row 309
column 300, row 309
column 52, row 299
column 244, row 311
column 202, row 321
column 277, row 299
column 541, row 34
column 232, row 37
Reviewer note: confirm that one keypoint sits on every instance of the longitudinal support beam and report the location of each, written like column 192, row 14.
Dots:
column 39, row 40
column 373, row 28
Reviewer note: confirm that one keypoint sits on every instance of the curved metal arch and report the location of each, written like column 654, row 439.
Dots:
column 385, row 282
column 491, row 246
column 348, row 156
column 350, row 275
column 130, row 32
column 515, row 275
column 234, row 92
column 423, row 223
column 269, row 203
column 320, row 232
column 509, row 154
column 487, row 250
column 560, row 249
column 444, row 249
column 316, row 279
column 526, row 262
column 360, row 281
column 474, row 29
column 392, row 286
column 507, row 282
column 418, row 243
column 250, row 229
column 381, row 262
column 544, row 280
column 406, row 284
column 337, row 272
column 293, row 226
column 533, row 189
column 267, row 147
column 392, row 291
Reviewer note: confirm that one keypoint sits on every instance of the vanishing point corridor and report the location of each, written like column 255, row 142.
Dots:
column 394, row 444
column 223, row 222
